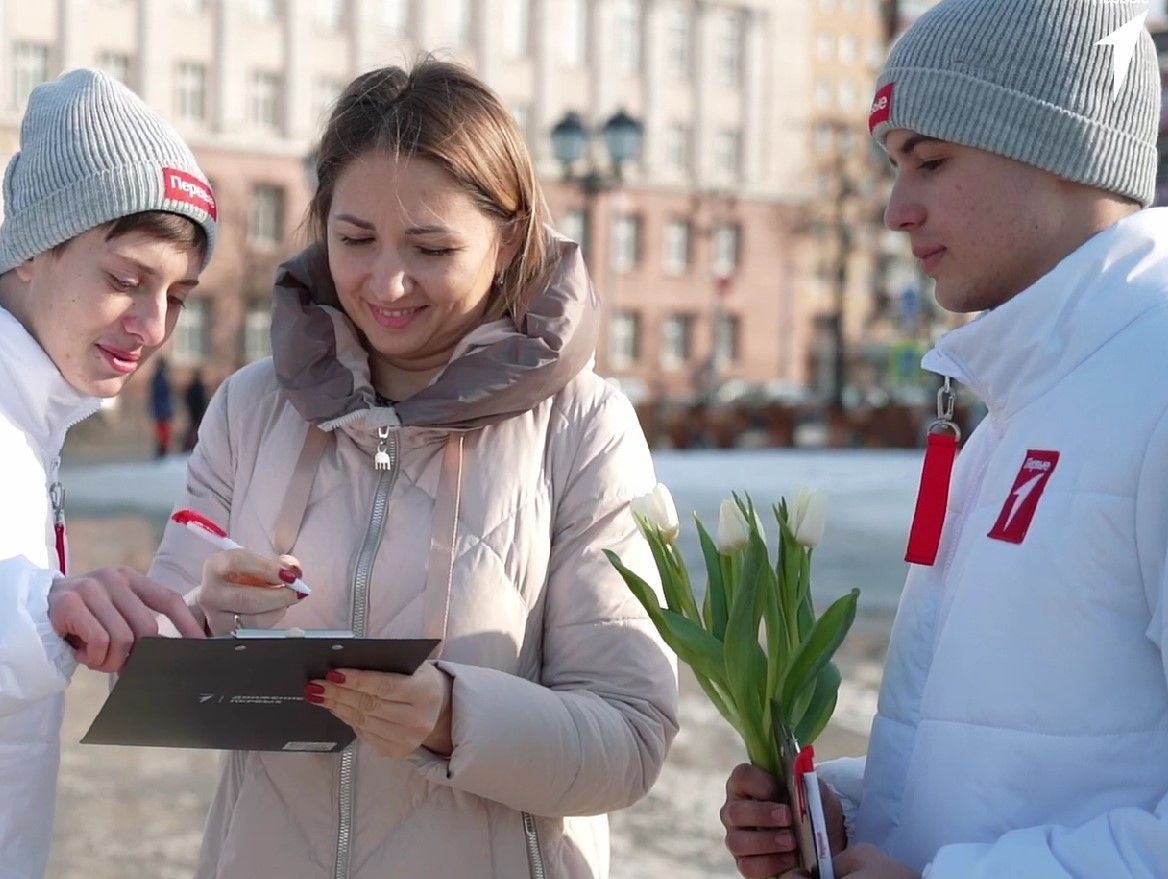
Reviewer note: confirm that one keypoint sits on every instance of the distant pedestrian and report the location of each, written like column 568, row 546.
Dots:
column 161, row 408
column 196, row 399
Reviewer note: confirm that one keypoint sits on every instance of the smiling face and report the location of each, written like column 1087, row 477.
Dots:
column 413, row 259
column 985, row 227
column 99, row 308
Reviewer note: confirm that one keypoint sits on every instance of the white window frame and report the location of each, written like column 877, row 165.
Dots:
column 624, row 338
column 628, row 26
column 677, row 342
column 626, row 243
column 677, row 247
column 30, row 67
column 257, row 332
column 190, row 90
column 266, row 215
column 191, row 340
column 265, row 105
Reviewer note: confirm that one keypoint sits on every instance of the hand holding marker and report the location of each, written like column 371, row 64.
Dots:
column 203, row 527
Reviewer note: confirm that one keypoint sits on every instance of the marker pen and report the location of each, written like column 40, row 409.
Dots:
column 206, row 529
column 805, row 772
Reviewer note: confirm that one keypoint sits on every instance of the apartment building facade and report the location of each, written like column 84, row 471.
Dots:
column 701, row 255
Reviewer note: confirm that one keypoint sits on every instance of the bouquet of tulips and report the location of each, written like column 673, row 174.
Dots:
column 755, row 645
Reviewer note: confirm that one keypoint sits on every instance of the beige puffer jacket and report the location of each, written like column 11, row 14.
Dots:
column 508, row 476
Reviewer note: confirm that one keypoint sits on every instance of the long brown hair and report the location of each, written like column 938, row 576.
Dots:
column 443, row 113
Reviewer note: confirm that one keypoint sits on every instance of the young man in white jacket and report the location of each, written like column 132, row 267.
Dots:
column 108, row 223
column 1022, row 728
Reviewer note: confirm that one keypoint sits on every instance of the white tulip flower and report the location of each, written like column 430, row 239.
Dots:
column 733, row 532
column 808, row 517
column 657, row 509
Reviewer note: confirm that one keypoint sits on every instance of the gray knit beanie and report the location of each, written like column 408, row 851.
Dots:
column 1069, row 86
column 92, row 152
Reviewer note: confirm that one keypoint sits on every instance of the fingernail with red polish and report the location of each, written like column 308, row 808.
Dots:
column 314, row 689
column 335, row 676
column 288, row 575
column 314, row 699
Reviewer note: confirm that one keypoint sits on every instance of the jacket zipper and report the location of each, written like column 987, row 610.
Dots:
column 534, row 853
column 385, row 463
column 57, row 499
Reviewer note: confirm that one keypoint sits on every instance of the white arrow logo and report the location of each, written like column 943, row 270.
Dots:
column 206, row 697
column 1123, row 44
column 1018, row 498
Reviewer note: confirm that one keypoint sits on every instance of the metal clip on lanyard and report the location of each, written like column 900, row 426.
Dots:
column 924, row 539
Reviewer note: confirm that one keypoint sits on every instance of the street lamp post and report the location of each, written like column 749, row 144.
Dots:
column 622, row 135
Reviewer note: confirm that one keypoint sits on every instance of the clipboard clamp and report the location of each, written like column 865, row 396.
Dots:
column 276, row 634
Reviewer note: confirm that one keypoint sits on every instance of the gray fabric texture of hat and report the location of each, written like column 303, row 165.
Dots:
column 92, row 152
column 1069, row 86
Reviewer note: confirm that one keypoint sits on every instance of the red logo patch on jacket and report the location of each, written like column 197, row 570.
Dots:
column 1020, row 507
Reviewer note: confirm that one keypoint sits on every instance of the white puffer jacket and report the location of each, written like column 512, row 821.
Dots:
column 37, row 407
column 1023, row 720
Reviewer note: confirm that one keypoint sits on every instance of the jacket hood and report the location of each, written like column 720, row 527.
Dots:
column 498, row 370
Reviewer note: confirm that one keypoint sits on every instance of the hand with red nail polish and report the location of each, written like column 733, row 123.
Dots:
column 238, row 581
column 395, row 714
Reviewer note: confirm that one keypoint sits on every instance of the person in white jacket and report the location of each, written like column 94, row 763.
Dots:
column 1022, row 727
column 108, row 223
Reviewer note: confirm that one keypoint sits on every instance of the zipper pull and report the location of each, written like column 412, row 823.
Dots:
column 382, row 461
column 57, row 498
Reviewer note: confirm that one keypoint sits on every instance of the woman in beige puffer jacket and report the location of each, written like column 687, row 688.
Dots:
column 473, row 509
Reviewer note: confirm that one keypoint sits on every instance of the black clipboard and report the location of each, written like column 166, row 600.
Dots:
column 242, row 692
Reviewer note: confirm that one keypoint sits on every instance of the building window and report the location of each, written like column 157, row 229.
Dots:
column 330, row 13
column 521, row 113
column 677, row 341
column 677, row 147
column 574, row 33
column 395, row 16
column 678, row 41
column 825, row 47
column 628, row 35
column 30, row 67
column 572, row 227
column 727, row 338
column 848, row 95
column 729, row 153
column 264, row 10
column 458, row 25
column 824, row 94
column 266, row 99
column 727, row 253
column 624, row 338
column 190, row 85
column 848, row 49
column 265, row 216
column 257, row 332
column 517, row 29
column 116, row 65
column 731, row 49
column 192, row 334
column 677, row 247
column 327, row 92
column 626, row 242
